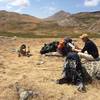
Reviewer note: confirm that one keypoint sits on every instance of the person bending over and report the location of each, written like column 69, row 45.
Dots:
column 90, row 47
column 23, row 52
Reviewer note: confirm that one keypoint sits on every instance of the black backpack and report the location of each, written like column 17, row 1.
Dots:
column 73, row 69
column 51, row 47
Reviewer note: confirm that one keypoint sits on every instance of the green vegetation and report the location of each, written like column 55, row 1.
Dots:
column 58, row 35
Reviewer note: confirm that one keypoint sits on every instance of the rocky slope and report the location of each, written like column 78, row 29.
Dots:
column 59, row 24
column 84, row 21
column 58, row 16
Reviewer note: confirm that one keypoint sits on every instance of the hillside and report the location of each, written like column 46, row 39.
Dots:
column 79, row 22
column 88, row 20
column 60, row 24
column 14, row 22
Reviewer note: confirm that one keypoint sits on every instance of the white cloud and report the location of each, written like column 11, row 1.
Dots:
column 15, row 5
column 51, row 9
column 20, row 3
column 91, row 3
column 16, row 2
column 48, row 10
column 19, row 10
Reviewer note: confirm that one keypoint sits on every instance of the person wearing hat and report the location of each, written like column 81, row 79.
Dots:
column 90, row 47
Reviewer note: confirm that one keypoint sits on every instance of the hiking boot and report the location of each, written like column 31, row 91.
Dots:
column 61, row 81
column 81, row 88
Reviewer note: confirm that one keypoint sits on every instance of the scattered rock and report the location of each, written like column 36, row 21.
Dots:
column 41, row 62
column 14, row 38
column 23, row 93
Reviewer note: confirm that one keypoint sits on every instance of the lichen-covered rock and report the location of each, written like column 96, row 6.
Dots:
column 93, row 68
column 23, row 93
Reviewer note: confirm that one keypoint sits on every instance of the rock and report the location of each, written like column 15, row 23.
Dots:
column 93, row 68
column 23, row 93
column 14, row 38
column 41, row 62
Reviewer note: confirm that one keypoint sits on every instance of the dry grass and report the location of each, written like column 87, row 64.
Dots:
column 30, row 75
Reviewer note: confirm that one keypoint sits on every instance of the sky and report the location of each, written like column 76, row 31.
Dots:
column 45, row 8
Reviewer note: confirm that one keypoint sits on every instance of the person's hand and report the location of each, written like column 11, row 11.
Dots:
column 76, row 50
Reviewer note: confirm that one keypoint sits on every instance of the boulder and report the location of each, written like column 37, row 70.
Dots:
column 93, row 68
column 24, row 94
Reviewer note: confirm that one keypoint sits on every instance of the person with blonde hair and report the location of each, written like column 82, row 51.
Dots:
column 90, row 47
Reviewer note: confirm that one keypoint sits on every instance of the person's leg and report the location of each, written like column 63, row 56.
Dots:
column 86, row 56
column 53, row 54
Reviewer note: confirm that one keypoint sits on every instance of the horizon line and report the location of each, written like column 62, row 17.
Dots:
column 51, row 14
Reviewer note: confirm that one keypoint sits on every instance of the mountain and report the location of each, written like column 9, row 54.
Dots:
column 90, row 21
column 58, row 16
column 95, row 27
column 76, row 23
column 15, row 22
column 59, row 24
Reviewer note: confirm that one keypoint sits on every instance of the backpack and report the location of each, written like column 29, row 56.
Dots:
column 73, row 69
column 51, row 47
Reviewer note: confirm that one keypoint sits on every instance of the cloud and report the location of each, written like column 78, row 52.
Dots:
column 91, row 3
column 51, row 9
column 48, row 10
column 15, row 5
column 20, row 3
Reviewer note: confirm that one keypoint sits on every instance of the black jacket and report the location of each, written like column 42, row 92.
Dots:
column 91, row 48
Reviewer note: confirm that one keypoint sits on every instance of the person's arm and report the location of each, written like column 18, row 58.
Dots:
column 74, row 48
column 71, row 45
column 84, row 49
column 81, row 50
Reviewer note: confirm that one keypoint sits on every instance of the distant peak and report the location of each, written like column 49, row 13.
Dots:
column 59, row 15
column 62, row 12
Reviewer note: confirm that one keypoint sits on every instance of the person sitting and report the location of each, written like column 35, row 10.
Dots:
column 90, row 47
column 23, row 52
column 65, row 46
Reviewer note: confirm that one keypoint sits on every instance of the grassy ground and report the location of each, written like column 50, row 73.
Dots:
column 49, row 35
column 39, row 77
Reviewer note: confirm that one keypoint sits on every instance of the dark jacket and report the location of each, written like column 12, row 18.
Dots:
column 91, row 48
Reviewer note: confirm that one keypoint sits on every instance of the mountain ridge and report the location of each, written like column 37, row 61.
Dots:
column 60, row 22
column 58, row 15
